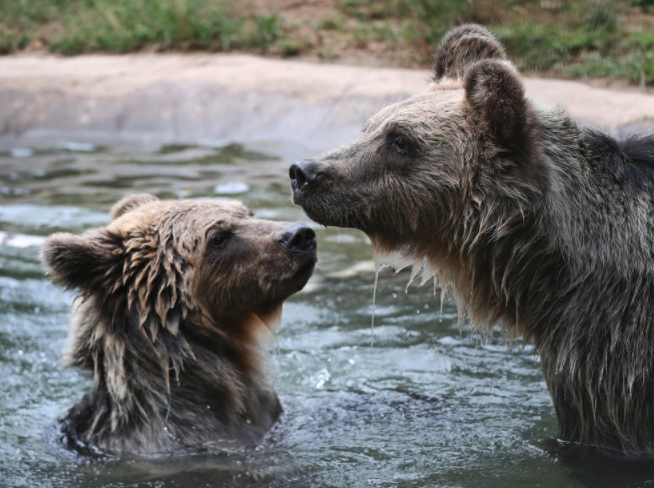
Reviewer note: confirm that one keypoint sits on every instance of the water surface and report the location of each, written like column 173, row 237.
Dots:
column 426, row 406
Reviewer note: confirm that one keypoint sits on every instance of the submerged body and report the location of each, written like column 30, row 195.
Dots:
column 534, row 222
column 176, row 299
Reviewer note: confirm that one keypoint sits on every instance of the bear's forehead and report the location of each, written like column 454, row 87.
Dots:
column 420, row 108
column 192, row 212
column 234, row 208
column 205, row 212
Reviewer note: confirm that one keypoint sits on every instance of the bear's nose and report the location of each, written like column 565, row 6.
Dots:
column 304, row 174
column 299, row 238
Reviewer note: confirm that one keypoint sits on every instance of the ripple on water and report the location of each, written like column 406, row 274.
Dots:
column 424, row 407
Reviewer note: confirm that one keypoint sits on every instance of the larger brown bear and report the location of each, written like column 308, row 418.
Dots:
column 535, row 222
column 175, row 298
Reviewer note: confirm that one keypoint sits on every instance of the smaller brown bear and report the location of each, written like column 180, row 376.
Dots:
column 175, row 298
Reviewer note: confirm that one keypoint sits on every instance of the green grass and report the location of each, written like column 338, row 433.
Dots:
column 119, row 26
column 570, row 38
column 584, row 38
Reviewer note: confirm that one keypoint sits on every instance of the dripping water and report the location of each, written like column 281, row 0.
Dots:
column 374, row 297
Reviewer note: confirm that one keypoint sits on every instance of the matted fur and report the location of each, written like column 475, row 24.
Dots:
column 174, row 301
column 534, row 222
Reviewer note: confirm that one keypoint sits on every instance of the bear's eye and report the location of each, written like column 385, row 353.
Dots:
column 219, row 240
column 401, row 144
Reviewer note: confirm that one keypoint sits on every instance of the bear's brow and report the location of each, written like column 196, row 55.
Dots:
column 223, row 224
column 374, row 123
column 397, row 127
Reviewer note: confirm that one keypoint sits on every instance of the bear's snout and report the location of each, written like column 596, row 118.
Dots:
column 298, row 238
column 304, row 174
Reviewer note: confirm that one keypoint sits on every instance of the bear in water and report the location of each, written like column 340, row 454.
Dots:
column 533, row 221
column 174, row 301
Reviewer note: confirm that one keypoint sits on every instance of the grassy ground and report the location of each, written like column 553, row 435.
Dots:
column 118, row 26
column 579, row 39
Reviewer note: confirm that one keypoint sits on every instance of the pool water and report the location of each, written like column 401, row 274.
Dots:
column 425, row 406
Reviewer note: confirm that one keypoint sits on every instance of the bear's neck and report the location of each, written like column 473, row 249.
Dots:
column 597, row 213
column 592, row 325
column 155, row 395
column 593, row 224
column 577, row 276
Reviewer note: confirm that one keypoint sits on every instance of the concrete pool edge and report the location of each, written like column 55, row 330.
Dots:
column 152, row 99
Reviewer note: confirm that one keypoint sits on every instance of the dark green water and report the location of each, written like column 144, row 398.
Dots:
column 424, row 407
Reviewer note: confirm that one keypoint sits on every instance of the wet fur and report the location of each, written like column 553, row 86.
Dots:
column 534, row 222
column 171, row 337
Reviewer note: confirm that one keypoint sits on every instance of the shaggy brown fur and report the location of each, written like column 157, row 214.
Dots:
column 174, row 300
column 533, row 221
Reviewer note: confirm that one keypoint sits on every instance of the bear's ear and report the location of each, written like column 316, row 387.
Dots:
column 85, row 261
column 463, row 46
column 496, row 100
column 130, row 203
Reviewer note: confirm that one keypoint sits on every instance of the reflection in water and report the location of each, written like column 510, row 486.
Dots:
column 593, row 467
column 424, row 407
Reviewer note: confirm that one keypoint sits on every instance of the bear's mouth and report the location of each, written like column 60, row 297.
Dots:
column 327, row 205
column 333, row 216
column 302, row 274
column 308, row 267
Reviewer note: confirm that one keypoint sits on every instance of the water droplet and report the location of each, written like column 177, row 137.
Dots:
column 208, row 406
column 417, row 311
column 426, row 307
column 394, row 295
column 21, row 152
column 374, row 296
column 182, row 192
column 248, row 421
column 76, row 146
column 231, row 188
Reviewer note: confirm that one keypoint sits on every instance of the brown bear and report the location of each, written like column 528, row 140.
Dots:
column 534, row 222
column 174, row 300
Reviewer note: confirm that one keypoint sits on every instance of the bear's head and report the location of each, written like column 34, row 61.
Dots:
column 174, row 299
column 434, row 175
column 207, row 267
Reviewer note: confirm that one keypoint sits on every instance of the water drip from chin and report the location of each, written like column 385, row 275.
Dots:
column 424, row 268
